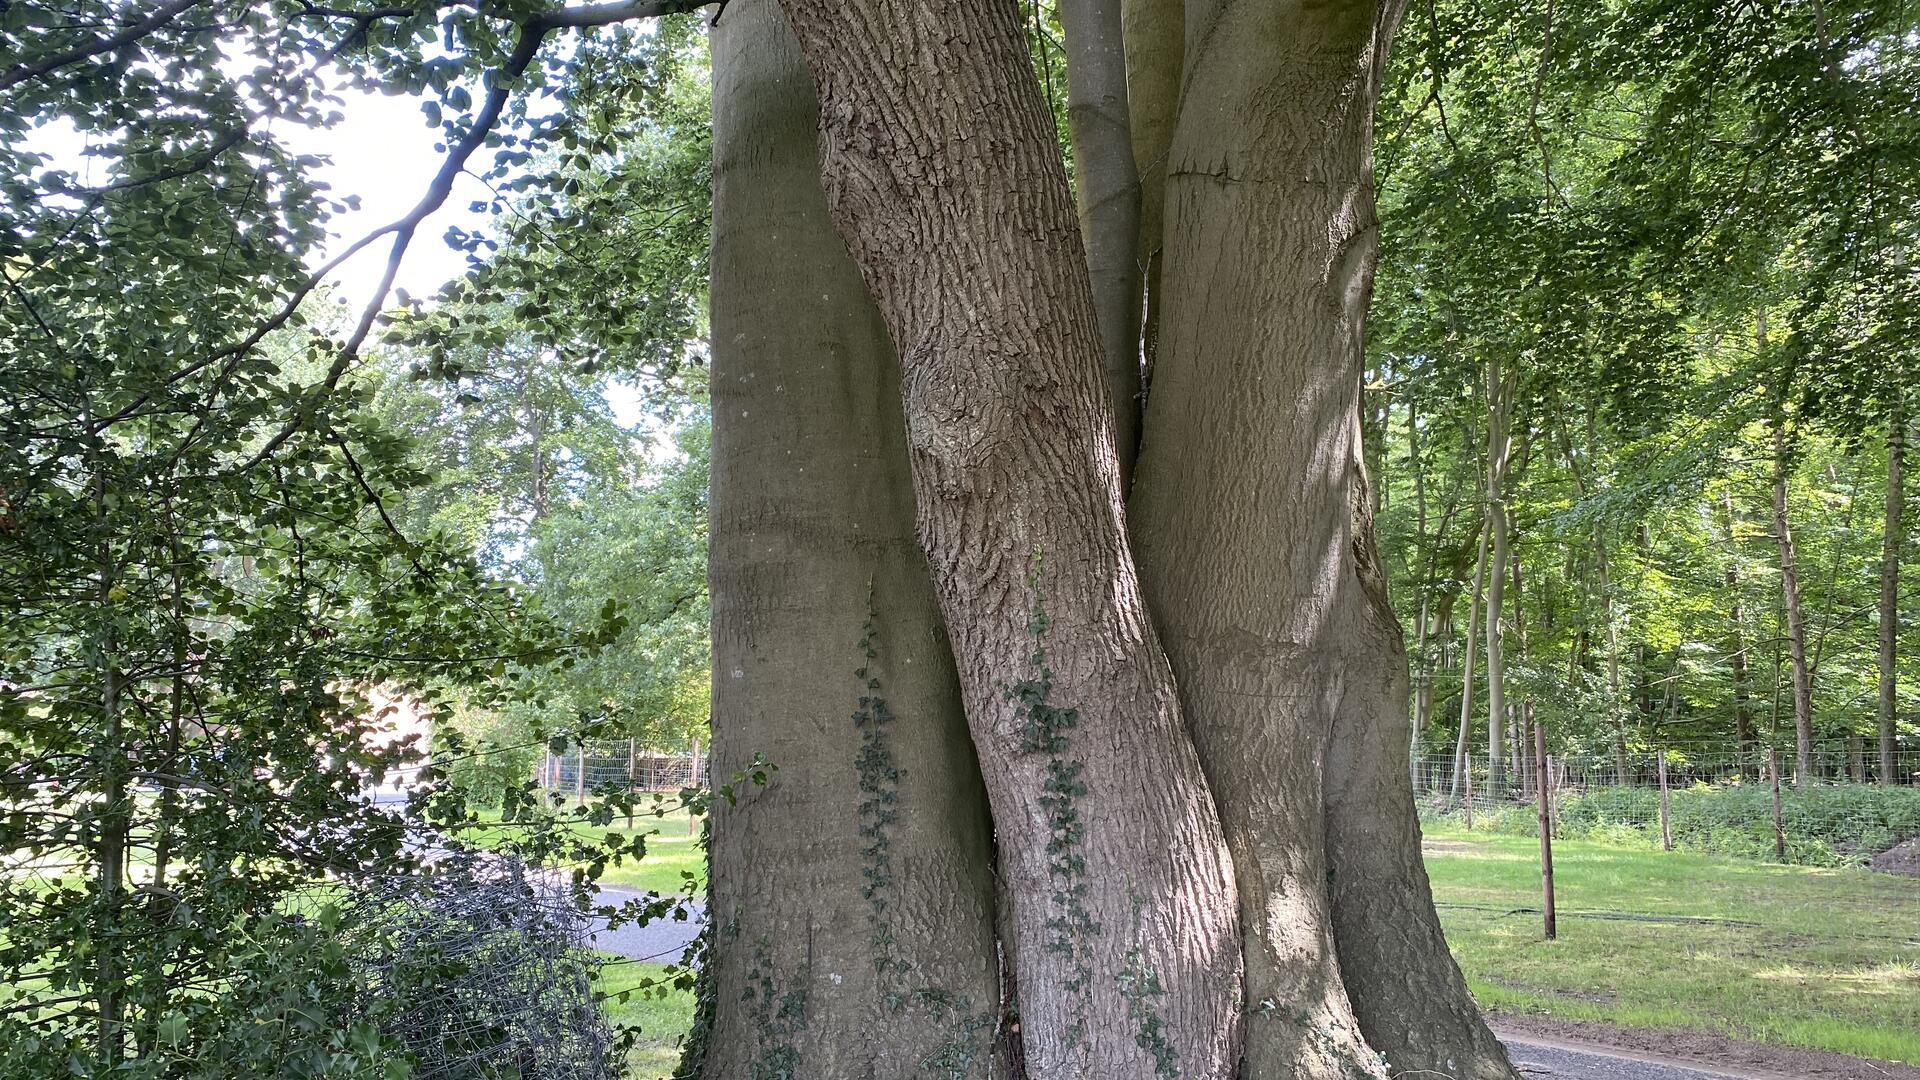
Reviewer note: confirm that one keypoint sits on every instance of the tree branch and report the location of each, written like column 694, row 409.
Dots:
column 160, row 16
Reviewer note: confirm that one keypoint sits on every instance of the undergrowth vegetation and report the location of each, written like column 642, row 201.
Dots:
column 1825, row 825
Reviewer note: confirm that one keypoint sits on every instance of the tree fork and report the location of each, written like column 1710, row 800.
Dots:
column 943, row 177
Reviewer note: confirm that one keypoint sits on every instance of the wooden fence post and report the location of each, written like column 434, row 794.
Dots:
column 1546, row 830
column 1666, row 832
column 1467, row 765
column 1779, row 834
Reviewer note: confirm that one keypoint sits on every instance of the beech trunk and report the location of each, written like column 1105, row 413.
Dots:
column 942, row 175
column 852, row 898
column 1108, row 188
column 1253, row 523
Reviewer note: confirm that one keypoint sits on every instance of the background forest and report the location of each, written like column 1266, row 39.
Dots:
column 1640, row 379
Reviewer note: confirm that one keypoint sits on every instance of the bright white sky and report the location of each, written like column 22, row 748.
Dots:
column 383, row 151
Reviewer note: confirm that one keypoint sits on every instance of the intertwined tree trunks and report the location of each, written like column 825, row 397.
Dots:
column 1244, row 515
column 941, row 172
column 852, row 898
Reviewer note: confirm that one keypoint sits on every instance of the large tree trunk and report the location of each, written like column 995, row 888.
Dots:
column 1290, row 669
column 852, row 895
column 1410, row 998
column 1155, row 38
column 1108, row 187
column 1890, row 592
column 942, row 175
column 1796, row 616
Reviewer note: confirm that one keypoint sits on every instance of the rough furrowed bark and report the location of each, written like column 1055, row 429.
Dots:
column 1108, row 187
column 852, row 894
column 939, row 165
column 1243, row 521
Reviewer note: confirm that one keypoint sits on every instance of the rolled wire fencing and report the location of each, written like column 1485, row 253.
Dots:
column 1748, row 802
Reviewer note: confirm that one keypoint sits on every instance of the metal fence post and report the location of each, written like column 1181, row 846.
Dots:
column 1666, row 832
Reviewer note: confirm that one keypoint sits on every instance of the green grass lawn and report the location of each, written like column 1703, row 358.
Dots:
column 673, row 850
column 661, row 1015
column 1820, row 958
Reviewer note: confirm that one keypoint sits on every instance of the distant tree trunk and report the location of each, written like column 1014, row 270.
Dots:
column 1890, row 545
column 1108, row 188
column 1500, row 391
column 1796, row 617
column 1252, row 516
column 1155, row 38
column 1463, row 739
column 1517, row 718
column 956, row 208
column 1743, row 732
column 852, row 896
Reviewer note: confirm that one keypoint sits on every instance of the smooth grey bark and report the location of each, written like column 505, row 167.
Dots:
column 852, row 895
column 1500, row 394
column 1890, row 544
column 1250, row 510
column 1155, row 38
column 1743, row 733
column 943, row 177
column 1108, row 188
column 1463, row 738
column 1408, row 994
column 1796, row 615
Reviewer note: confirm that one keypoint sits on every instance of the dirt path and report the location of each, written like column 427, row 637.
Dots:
column 1573, row 1050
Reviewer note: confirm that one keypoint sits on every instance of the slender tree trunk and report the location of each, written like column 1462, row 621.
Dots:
column 942, row 175
column 1796, row 616
column 1499, row 451
column 1252, row 517
column 852, row 898
column 1890, row 545
column 1108, row 188
column 1463, row 742
column 1155, row 39
column 1743, row 732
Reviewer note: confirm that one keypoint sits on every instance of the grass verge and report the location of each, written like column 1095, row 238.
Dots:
column 1821, row 958
column 662, row 1015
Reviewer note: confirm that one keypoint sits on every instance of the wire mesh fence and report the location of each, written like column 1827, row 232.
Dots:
column 1747, row 802
column 621, row 765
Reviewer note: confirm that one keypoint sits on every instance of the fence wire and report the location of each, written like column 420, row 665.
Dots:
column 1714, row 800
column 620, row 766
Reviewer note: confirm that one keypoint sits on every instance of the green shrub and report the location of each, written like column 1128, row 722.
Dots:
column 1825, row 825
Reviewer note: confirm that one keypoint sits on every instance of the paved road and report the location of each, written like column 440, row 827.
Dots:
column 665, row 940
column 662, row 940
column 1569, row 1063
